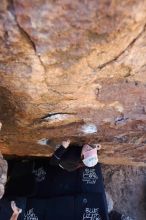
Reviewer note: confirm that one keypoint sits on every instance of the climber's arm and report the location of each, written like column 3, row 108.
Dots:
column 55, row 159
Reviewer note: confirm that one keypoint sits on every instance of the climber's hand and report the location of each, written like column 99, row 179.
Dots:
column 65, row 144
column 15, row 209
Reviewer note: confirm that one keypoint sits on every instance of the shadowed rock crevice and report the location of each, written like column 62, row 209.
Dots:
column 130, row 183
column 8, row 107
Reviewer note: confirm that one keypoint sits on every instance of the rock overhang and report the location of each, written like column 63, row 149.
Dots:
column 73, row 69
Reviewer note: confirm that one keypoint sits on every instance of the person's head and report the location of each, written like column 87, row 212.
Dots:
column 89, row 155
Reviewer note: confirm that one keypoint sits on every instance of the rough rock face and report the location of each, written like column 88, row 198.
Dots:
column 73, row 69
column 3, row 175
column 127, row 187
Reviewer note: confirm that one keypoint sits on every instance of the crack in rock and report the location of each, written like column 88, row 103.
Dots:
column 56, row 120
column 123, row 51
column 11, row 9
column 57, row 116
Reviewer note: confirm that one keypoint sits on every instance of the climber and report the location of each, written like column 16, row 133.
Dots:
column 72, row 157
column 50, row 192
column 56, row 193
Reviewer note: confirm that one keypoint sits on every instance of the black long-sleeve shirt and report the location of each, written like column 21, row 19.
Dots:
column 61, row 195
column 69, row 159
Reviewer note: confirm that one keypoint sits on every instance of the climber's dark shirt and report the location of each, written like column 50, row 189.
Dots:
column 59, row 194
column 69, row 159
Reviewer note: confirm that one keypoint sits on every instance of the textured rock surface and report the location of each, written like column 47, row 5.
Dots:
column 127, row 187
column 3, row 175
column 74, row 69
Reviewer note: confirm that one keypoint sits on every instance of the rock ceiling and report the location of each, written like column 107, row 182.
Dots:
column 73, row 69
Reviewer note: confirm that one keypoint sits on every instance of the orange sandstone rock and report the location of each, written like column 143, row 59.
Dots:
column 73, row 69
